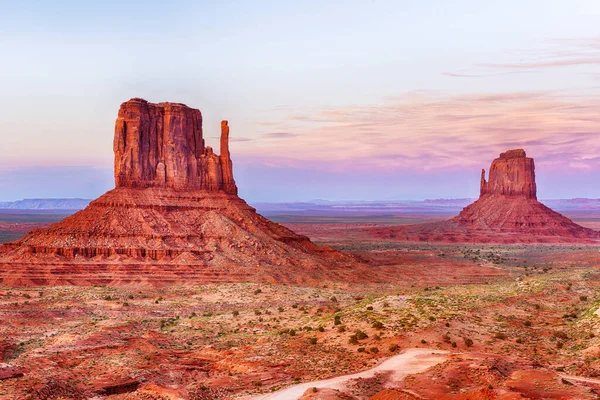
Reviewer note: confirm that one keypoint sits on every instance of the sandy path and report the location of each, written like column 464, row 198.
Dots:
column 410, row 361
column 580, row 379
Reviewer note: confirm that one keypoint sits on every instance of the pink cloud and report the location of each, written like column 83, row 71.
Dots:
column 554, row 63
column 423, row 131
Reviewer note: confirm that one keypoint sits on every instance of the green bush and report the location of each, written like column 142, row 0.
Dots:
column 360, row 335
column 378, row 325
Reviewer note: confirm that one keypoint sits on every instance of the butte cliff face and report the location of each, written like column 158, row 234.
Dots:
column 507, row 211
column 174, row 217
column 512, row 175
column 162, row 145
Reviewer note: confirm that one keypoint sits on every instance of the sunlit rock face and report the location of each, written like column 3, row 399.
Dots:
column 162, row 145
column 512, row 174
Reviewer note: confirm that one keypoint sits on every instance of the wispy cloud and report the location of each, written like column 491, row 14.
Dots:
column 543, row 64
column 424, row 131
column 279, row 135
column 554, row 53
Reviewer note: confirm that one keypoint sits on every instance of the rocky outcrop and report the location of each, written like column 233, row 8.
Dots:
column 512, row 174
column 162, row 145
column 507, row 211
column 173, row 217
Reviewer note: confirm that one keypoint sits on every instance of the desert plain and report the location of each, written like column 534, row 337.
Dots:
column 489, row 321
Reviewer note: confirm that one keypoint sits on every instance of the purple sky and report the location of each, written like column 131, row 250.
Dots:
column 330, row 100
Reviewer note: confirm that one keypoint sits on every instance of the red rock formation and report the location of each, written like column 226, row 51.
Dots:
column 162, row 145
column 507, row 211
column 174, row 216
column 512, row 174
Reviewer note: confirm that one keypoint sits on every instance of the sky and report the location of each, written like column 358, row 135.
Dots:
column 336, row 100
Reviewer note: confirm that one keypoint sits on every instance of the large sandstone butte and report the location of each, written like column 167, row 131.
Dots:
column 507, row 211
column 174, row 217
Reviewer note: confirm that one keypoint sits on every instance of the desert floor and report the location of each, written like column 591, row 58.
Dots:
column 512, row 322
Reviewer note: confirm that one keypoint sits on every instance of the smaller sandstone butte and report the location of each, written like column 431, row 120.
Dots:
column 507, row 211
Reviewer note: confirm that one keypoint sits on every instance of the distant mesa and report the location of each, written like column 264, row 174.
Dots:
column 507, row 211
column 173, row 218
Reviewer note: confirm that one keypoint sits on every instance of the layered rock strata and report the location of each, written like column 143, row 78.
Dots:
column 174, row 217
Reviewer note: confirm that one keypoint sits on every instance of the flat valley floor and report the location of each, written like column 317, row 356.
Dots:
column 485, row 321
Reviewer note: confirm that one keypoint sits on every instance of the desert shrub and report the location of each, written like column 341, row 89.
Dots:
column 360, row 335
column 370, row 308
column 527, row 323
column 361, row 349
column 559, row 345
column 337, row 320
column 312, row 340
column 333, row 298
column 107, row 298
column 280, row 309
column 468, row 342
column 519, row 340
column 258, row 291
column 583, row 298
column 235, row 313
column 321, row 329
column 561, row 335
column 446, row 338
column 353, row 339
column 294, row 305
column 192, row 315
column 292, row 332
column 447, row 324
column 423, row 341
column 378, row 325
column 386, row 304
column 341, row 328
column 394, row 347
column 130, row 297
column 257, row 312
column 432, row 318
column 374, row 350
column 500, row 335
column 453, row 344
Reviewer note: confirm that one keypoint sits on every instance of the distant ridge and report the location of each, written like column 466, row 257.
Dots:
column 45, row 204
